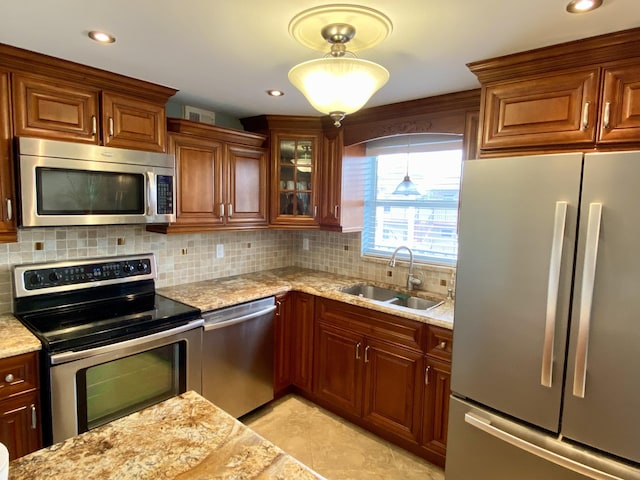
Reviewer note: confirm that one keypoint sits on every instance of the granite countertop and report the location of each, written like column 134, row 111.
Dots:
column 223, row 292
column 185, row 437
column 16, row 338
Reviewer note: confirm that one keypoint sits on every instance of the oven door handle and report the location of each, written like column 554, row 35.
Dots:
column 134, row 342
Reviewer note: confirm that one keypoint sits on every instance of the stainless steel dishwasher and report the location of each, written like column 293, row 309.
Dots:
column 237, row 356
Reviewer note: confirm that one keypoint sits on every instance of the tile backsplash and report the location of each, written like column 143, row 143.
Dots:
column 192, row 257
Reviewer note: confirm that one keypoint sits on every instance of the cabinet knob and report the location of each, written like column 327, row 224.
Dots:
column 9, row 378
column 443, row 345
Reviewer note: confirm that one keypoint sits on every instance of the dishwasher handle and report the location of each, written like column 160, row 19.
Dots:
column 233, row 321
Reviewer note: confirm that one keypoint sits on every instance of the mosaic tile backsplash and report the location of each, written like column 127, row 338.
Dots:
column 191, row 258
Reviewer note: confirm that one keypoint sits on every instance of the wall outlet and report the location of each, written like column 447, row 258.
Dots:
column 219, row 250
column 305, row 244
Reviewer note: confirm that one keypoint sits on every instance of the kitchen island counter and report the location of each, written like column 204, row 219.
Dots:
column 223, row 292
column 185, row 437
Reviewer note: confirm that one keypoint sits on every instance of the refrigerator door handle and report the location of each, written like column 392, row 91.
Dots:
column 485, row 425
column 586, row 298
column 553, row 286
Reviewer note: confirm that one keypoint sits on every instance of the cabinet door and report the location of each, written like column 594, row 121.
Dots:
column 393, row 388
column 247, row 190
column 132, row 123
column 199, row 179
column 620, row 116
column 331, row 184
column 302, row 339
column 20, row 424
column 282, row 342
column 59, row 111
column 436, row 405
column 552, row 110
column 295, row 180
column 8, row 231
column 338, row 367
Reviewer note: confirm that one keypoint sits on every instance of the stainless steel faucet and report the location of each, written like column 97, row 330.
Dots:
column 411, row 280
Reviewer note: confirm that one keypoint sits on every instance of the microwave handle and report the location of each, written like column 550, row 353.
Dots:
column 151, row 187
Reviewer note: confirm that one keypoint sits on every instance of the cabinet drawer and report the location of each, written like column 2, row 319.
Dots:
column 440, row 342
column 18, row 374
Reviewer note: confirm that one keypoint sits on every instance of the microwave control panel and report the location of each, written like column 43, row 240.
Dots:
column 165, row 194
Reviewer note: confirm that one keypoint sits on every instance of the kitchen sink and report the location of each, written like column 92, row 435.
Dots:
column 392, row 298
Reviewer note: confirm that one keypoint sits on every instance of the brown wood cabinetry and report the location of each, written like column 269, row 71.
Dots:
column 580, row 95
column 437, row 380
column 61, row 110
column 20, row 428
column 302, row 340
column 8, row 229
column 221, row 178
column 368, row 366
column 282, row 343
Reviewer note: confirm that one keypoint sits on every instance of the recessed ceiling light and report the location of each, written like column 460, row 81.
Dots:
column 275, row 93
column 582, row 6
column 101, row 37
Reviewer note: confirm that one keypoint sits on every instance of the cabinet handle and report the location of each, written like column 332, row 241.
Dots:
column 366, row 354
column 111, row 126
column 9, row 209
column 9, row 378
column 426, row 374
column 335, row 211
column 585, row 116
column 279, row 305
column 315, row 211
column 443, row 345
column 358, row 345
column 607, row 115
column 230, row 210
column 222, row 210
column 94, row 125
column 34, row 417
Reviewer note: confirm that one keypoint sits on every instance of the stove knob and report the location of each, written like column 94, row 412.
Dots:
column 54, row 277
column 126, row 268
column 141, row 267
column 35, row 279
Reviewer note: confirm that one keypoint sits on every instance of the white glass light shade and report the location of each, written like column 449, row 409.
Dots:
column 338, row 84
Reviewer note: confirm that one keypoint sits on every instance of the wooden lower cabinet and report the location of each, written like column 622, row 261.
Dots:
column 436, row 409
column 20, row 425
column 302, row 340
column 282, row 341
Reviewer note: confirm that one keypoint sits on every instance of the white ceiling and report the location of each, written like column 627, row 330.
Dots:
column 223, row 54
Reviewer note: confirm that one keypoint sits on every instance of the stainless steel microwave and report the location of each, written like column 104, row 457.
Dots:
column 63, row 183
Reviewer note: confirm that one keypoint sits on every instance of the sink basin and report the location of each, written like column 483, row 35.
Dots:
column 392, row 298
column 372, row 292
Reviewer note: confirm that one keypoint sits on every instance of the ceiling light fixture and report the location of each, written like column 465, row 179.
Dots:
column 101, row 37
column 582, row 6
column 275, row 93
column 339, row 83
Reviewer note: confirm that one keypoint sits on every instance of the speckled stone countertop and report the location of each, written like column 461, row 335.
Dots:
column 185, row 437
column 218, row 293
column 16, row 338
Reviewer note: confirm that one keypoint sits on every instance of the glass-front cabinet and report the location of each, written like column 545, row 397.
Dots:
column 294, row 193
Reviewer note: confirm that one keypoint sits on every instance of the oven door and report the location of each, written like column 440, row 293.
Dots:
column 92, row 387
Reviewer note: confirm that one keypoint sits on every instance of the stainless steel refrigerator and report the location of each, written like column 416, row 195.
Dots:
column 546, row 358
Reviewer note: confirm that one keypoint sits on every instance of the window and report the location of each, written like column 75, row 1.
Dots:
column 426, row 221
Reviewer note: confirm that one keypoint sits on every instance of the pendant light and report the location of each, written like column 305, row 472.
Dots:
column 406, row 186
column 339, row 83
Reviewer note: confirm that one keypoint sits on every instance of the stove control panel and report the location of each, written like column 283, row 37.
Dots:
column 83, row 274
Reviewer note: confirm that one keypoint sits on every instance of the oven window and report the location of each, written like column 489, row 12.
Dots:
column 128, row 384
column 82, row 192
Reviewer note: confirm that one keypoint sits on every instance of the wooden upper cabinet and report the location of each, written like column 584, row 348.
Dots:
column 55, row 110
column 581, row 95
column 550, row 110
column 221, row 177
column 132, row 123
column 620, row 118
column 46, row 107
column 8, row 229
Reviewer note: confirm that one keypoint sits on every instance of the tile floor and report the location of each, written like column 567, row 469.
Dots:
column 333, row 447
